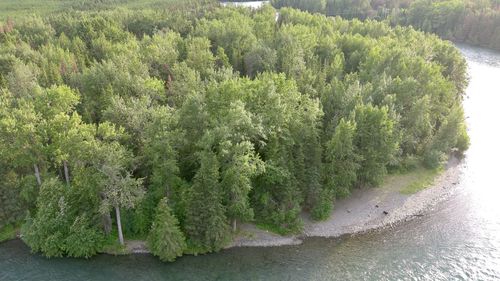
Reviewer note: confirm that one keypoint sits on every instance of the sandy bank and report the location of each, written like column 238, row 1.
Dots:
column 365, row 210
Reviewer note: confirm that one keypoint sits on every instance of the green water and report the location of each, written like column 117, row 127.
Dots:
column 457, row 239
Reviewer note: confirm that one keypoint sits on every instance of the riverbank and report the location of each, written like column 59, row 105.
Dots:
column 365, row 210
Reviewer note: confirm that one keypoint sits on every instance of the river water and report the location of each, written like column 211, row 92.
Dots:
column 248, row 4
column 457, row 239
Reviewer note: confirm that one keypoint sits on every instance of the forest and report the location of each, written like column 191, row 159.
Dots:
column 468, row 21
column 176, row 125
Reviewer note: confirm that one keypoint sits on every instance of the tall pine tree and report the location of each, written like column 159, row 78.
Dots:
column 165, row 239
column 205, row 223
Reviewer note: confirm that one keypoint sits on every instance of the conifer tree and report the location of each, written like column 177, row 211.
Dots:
column 375, row 142
column 341, row 160
column 206, row 224
column 165, row 239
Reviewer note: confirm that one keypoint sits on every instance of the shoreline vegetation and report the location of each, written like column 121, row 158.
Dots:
column 364, row 211
column 463, row 21
column 360, row 213
column 181, row 124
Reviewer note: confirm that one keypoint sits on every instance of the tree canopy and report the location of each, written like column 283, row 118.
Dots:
column 469, row 21
column 233, row 115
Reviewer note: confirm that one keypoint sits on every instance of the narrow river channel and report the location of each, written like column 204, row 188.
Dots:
column 457, row 239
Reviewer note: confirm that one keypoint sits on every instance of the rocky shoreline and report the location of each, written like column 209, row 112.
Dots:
column 364, row 211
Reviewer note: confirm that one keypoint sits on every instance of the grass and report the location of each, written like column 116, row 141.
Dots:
column 245, row 233
column 420, row 179
column 112, row 245
column 8, row 232
column 114, row 248
column 279, row 230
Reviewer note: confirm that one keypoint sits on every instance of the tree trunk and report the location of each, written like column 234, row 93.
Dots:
column 66, row 172
column 106, row 223
column 119, row 224
column 37, row 175
column 234, row 225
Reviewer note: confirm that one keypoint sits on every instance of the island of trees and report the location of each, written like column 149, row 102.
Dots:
column 175, row 125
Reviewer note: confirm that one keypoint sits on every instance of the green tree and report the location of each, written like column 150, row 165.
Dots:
column 84, row 239
column 199, row 56
column 45, row 232
column 240, row 167
column 341, row 160
column 206, row 224
column 120, row 189
column 375, row 142
column 165, row 238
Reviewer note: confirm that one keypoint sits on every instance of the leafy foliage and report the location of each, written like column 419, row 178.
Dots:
column 206, row 225
column 232, row 115
column 165, row 238
column 473, row 22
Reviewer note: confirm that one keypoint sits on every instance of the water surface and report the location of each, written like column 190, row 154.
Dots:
column 458, row 239
column 249, row 4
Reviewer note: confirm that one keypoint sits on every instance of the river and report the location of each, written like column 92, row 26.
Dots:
column 457, row 239
column 248, row 4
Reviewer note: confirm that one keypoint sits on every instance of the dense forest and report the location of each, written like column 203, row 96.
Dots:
column 470, row 21
column 175, row 125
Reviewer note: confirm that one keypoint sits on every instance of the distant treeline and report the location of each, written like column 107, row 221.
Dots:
column 175, row 125
column 18, row 9
column 473, row 22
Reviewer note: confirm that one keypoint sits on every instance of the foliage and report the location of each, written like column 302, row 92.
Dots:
column 205, row 224
column 473, row 22
column 232, row 115
column 165, row 238
column 425, row 178
column 54, row 232
column 83, row 240
column 12, row 208
column 341, row 160
column 375, row 142
column 8, row 232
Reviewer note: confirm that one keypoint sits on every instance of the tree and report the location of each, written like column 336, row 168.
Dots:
column 277, row 199
column 341, row 160
column 83, row 239
column 165, row 238
column 199, row 56
column 120, row 189
column 313, row 6
column 63, row 127
column 45, row 232
column 259, row 60
column 12, row 208
column 375, row 142
column 232, row 31
column 55, row 230
column 205, row 223
column 21, row 134
column 240, row 167
column 160, row 52
column 451, row 135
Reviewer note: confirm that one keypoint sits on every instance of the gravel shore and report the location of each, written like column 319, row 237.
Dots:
column 365, row 210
